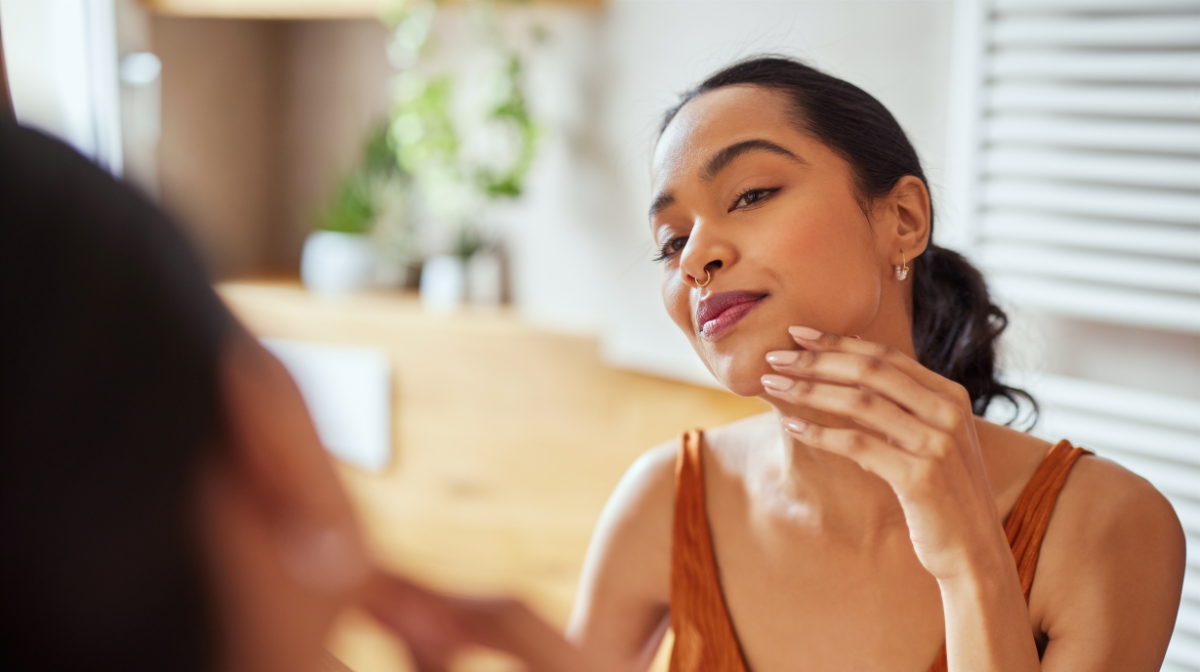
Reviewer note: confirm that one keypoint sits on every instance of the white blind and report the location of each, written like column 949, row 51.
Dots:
column 1078, row 134
column 1155, row 435
column 1088, row 199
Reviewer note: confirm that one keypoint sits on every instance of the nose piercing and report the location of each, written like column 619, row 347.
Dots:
column 707, row 279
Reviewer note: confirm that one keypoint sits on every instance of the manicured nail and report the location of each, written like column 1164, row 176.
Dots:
column 795, row 425
column 783, row 357
column 806, row 333
column 777, row 383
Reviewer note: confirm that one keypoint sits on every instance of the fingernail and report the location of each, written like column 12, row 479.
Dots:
column 795, row 425
column 806, row 333
column 782, row 357
column 778, row 383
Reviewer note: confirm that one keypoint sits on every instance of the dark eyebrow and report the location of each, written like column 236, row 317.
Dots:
column 663, row 200
column 723, row 158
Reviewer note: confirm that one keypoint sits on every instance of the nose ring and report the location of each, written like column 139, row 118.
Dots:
column 707, row 279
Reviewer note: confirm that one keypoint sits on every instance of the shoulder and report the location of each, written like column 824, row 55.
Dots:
column 626, row 575
column 1105, row 505
column 1111, row 569
column 635, row 526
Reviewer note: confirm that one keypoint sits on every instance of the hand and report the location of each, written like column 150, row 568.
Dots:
column 911, row 427
column 436, row 626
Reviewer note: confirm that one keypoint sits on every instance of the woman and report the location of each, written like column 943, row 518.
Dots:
column 166, row 502
column 862, row 523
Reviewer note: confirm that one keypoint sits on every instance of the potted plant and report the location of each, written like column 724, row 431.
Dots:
column 337, row 256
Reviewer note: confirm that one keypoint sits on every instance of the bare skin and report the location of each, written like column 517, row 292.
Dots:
column 858, row 525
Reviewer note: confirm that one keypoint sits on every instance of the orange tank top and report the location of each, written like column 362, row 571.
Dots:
column 705, row 640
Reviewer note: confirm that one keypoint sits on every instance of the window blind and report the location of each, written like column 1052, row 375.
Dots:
column 1075, row 162
column 1088, row 199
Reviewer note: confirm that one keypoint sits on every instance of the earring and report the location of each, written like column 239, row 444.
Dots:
column 902, row 271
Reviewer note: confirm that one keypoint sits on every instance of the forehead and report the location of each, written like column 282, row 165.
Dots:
column 717, row 119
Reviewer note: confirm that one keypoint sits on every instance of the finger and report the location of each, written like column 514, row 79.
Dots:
column 872, row 373
column 824, row 341
column 866, row 407
column 510, row 626
column 425, row 620
column 872, row 454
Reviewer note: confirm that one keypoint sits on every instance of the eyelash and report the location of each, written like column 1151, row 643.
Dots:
column 757, row 190
column 664, row 254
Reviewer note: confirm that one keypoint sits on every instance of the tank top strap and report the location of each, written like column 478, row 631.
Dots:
column 1026, row 525
column 704, row 636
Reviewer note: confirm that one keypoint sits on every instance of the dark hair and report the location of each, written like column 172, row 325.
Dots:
column 955, row 323
column 108, row 401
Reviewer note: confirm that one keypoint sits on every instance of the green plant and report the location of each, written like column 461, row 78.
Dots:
column 353, row 207
column 428, row 127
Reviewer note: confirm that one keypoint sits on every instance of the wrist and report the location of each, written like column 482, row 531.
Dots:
column 985, row 568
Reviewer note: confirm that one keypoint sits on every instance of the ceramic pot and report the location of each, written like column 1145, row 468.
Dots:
column 336, row 263
column 443, row 283
column 485, row 279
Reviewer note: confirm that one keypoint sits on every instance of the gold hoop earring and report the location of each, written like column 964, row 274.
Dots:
column 902, row 271
column 707, row 279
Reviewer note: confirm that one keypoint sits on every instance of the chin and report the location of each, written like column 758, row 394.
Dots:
column 740, row 374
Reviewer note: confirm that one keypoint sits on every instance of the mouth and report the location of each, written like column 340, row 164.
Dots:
column 719, row 313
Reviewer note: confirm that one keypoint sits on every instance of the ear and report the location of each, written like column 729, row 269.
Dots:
column 902, row 221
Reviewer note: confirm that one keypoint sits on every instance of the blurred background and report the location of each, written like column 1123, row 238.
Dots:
column 434, row 214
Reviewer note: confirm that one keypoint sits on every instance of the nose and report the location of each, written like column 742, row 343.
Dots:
column 704, row 255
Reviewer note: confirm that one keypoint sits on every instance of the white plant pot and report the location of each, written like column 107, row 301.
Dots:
column 485, row 279
column 443, row 284
column 336, row 263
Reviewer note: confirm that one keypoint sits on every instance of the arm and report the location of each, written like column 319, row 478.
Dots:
column 916, row 430
column 621, row 611
column 1110, row 574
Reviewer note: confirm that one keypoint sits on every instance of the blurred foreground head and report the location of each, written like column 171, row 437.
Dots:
column 165, row 500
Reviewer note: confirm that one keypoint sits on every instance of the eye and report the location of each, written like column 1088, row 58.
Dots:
column 752, row 197
column 672, row 248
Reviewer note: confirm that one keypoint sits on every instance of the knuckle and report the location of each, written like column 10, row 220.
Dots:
column 941, row 445
column 855, row 442
column 861, row 400
column 952, row 418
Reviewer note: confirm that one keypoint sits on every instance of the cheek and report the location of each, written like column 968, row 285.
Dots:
column 677, row 300
column 825, row 264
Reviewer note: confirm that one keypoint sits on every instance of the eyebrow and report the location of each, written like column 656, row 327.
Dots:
column 661, row 202
column 720, row 161
column 723, row 158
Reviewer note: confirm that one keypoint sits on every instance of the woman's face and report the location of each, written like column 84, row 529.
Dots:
column 771, row 215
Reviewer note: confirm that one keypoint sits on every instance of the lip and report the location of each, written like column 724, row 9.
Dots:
column 718, row 313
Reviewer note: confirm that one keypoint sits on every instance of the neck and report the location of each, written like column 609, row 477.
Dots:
column 830, row 491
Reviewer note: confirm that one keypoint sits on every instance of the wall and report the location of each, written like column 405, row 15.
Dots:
column 220, row 109
column 259, row 119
